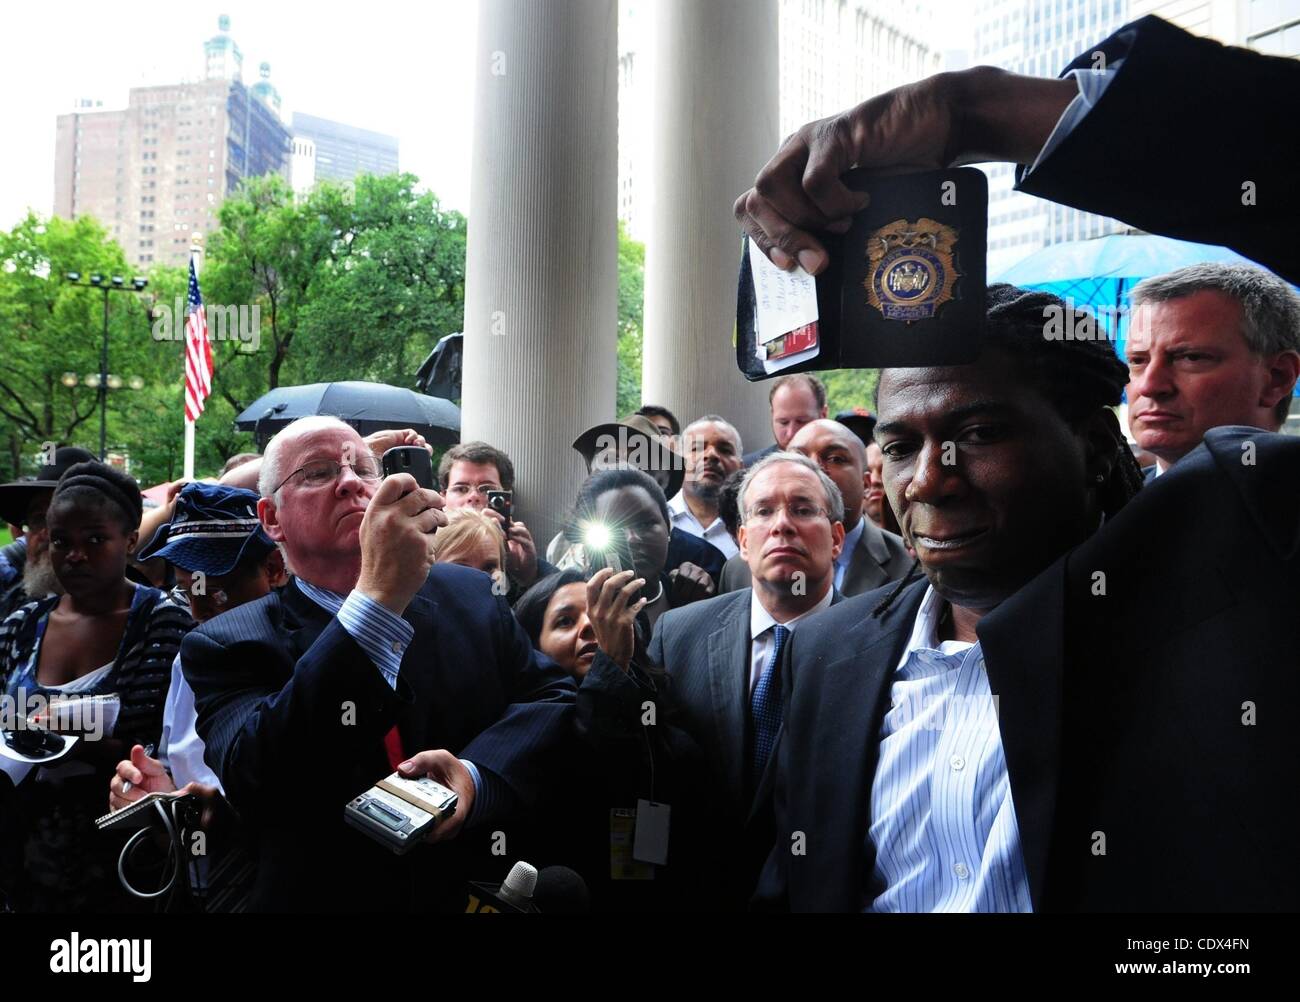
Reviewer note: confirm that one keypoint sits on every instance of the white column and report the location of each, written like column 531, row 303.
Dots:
column 541, row 287
column 713, row 126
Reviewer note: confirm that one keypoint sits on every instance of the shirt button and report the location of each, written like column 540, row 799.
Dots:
column 397, row 647
column 962, row 871
column 957, row 762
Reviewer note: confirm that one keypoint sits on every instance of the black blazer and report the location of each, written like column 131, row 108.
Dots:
column 704, row 648
column 1161, row 714
column 1174, row 139
column 293, row 714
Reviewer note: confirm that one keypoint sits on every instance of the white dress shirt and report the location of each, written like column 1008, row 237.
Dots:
column 762, row 639
column 716, row 533
column 942, row 820
column 180, row 749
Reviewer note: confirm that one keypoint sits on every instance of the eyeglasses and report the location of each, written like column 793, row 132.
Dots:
column 320, row 472
column 464, row 490
column 801, row 512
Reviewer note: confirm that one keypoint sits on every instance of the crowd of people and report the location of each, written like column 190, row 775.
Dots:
column 954, row 650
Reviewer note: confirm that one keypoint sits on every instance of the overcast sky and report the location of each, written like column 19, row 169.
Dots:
column 398, row 68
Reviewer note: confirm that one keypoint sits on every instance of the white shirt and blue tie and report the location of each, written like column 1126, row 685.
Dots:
column 767, row 640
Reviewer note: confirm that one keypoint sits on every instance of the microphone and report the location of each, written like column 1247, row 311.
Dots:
column 561, row 891
column 555, row 890
column 514, row 895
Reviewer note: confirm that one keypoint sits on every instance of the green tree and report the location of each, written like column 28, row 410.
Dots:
column 50, row 327
column 631, row 300
column 356, row 281
column 850, row 388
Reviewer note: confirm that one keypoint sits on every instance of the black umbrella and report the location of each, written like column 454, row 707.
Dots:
column 439, row 374
column 368, row 407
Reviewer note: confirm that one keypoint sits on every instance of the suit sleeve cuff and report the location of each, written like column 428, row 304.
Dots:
column 1092, row 84
column 380, row 632
column 483, row 794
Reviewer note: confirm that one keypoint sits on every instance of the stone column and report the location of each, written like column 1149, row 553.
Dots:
column 713, row 126
column 541, row 287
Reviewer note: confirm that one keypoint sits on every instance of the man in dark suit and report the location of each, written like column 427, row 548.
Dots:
column 369, row 661
column 1205, row 561
column 871, row 557
column 1036, row 727
column 1209, row 345
column 721, row 654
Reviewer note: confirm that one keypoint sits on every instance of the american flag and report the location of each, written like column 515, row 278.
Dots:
column 198, row 352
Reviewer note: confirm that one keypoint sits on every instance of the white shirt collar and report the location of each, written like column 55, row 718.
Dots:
column 681, row 512
column 760, row 620
column 924, row 629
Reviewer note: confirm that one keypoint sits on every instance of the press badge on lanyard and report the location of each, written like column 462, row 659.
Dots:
column 638, row 840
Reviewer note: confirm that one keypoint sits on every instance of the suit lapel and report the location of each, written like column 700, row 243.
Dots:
column 850, row 696
column 419, row 719
column 1024, row 656
column 729, row 685
column 303, row 618
column 866, row 569
column 768, row 779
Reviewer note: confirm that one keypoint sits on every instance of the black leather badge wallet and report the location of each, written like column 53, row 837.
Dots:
column 905, row 285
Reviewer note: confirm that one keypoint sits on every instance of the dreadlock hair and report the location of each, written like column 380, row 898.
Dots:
column 101, row 485
column 1079, row 378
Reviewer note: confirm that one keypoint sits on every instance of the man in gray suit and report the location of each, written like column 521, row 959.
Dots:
column 721, row 653
column 871, row 556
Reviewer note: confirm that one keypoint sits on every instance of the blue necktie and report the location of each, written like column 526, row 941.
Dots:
column 765, row 708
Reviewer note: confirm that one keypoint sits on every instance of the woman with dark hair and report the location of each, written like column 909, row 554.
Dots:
column 631, row 753
column 554, row 614
column 105, row 636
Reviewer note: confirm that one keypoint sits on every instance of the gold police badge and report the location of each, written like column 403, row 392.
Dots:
column 912, row 271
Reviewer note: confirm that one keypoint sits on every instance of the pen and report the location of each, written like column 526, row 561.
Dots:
column 126, row 783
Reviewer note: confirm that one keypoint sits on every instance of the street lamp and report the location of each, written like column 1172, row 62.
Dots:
column 102, row 382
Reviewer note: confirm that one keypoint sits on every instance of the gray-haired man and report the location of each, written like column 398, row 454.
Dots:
column 723, row 653
column 1210, row 345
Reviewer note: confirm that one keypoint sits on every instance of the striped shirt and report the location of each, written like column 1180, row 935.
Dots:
column 942, row 821
column 384, row 636
column 380, row 632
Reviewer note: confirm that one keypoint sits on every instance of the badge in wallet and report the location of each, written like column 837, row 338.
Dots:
column 905, row 285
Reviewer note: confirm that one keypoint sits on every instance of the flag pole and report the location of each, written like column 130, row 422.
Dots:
column 196, row 253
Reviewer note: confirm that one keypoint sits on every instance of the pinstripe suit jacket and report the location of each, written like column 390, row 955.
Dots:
column 293, row 714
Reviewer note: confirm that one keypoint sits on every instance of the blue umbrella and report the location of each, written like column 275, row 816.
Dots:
column 1101, row 273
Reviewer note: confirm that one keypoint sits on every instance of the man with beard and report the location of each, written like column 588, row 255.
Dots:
column 24, row 503
column 713, row 452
